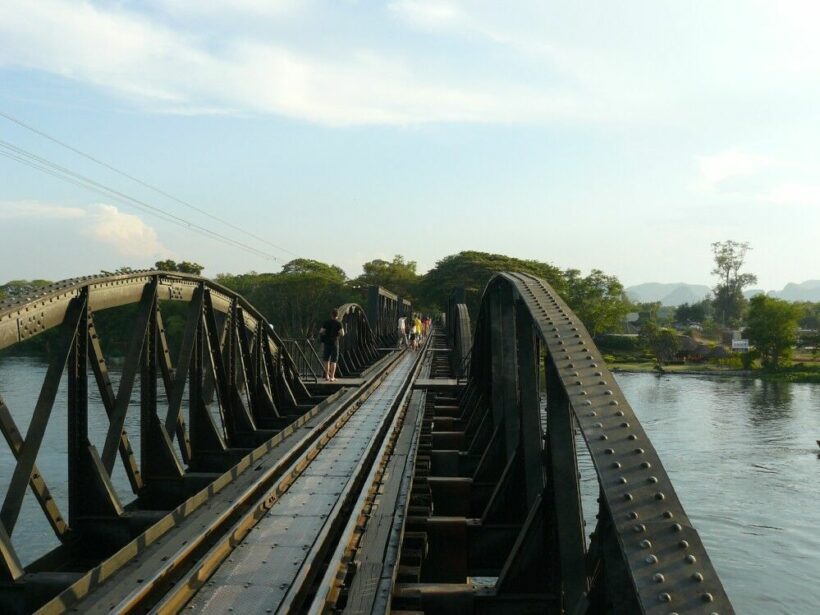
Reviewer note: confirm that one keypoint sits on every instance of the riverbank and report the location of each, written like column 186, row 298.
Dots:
column 801, row 372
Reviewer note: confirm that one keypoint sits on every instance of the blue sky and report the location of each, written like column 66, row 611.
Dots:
column 624, row 136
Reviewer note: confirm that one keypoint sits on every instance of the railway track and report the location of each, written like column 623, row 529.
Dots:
column 280, row 540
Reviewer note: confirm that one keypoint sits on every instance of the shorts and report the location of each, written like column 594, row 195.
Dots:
column 330, row 352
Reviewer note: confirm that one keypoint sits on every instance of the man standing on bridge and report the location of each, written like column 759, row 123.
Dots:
column 330, row 333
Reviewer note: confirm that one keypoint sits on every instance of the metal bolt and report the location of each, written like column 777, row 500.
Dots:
column 652, row 479
column 614, row 402
column 659, row 496
column 658, row 578
column 633, row 515
column 664, row 597
column 603, row 437
column 622, row 480
column 608, row 392
column 667, row 514
column 597, row 425
column 639, row 451
column 677, row 527
column 639, row 528
column 707, row 597
column 651, row 559
column 691, row 559
column 593, row 413
column 616, row 464
column 683, row 544
column 633, row 437
column 645, row 544
column 624, row 424
column 646, row 465
column 610, row 451
column 628, row 497
column 597, row 373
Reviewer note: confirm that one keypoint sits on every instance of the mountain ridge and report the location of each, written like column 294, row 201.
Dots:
column 677, row 293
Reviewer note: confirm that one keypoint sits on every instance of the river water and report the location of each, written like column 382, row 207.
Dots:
column 741, row 454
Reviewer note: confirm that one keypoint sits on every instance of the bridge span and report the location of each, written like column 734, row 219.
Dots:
column 438, row 481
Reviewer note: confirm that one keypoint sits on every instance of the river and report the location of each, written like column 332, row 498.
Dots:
column 741, row 454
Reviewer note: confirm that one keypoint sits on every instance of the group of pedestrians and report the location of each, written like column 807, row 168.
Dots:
column 412, row 330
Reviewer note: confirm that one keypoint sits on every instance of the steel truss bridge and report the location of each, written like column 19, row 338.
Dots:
column 439, row 481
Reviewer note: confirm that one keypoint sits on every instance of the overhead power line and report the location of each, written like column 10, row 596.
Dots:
column 18, row 154
column 141, row 182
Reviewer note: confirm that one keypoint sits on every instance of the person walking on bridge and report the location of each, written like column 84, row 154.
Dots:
column 329, row 335
column 402, row 333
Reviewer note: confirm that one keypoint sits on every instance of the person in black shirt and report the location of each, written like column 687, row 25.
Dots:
column 330, row 333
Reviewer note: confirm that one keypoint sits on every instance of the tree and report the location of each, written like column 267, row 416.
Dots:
column 697, row 312
column 298, row 298
column 662, row 343
column 183, row 267
column 772, row 327
column 473, row 270
column 397, row 276
column 598, row 300
column 729, row 300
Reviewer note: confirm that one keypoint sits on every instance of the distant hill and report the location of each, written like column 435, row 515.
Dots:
column 805, row 291
column 676, row 294
column 668, row 294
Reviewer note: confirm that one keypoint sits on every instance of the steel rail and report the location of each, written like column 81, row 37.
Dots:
column 332, row 583
column 186, row 586
column 158, row 570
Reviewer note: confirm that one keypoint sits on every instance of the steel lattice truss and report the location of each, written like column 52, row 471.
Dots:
column 497, row 475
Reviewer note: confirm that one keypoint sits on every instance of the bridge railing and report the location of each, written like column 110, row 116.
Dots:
column 644, row 555
column 306, row 359
column 230, row 385
column 383, row 311
column 497, row 478
column 459, row 333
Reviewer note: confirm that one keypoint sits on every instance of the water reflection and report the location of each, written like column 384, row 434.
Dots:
column 769, row 401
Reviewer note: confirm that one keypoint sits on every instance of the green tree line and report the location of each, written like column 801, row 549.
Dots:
column 297, row 298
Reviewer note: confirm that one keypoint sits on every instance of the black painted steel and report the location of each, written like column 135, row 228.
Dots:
column 231, row 387
column 497, row 480
column 383, row 311
column 459, row 333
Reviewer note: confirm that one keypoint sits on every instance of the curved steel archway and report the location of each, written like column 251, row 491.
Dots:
column 231, row 387
column 643, row 538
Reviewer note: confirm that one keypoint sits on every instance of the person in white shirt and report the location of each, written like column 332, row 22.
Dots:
column 402, row 333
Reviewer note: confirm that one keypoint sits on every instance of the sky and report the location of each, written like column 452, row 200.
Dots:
column 623, row 136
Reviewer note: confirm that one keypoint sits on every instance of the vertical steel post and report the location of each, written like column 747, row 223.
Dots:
column 564, row 489
column 529, row 400
column 77, row 427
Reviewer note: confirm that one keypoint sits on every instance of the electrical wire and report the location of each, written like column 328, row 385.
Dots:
column 141, row 182
column 18, row 154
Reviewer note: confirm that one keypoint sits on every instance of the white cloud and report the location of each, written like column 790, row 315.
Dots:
column 127, row 234
column 34, row 209
column 177, row 70
column 364, row 63
column 731, row 163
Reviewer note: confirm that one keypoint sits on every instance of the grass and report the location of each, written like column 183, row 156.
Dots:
column 804, row 367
